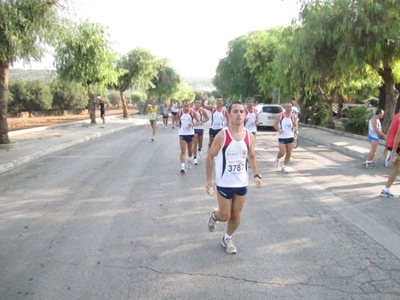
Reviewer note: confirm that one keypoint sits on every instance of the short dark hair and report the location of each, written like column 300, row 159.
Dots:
column 378, row 111
column 231, row 104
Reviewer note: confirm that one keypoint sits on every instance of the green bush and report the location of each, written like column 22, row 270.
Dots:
column 357, row 120
column 320, row 113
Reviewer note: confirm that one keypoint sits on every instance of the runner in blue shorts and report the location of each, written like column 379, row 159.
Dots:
column 231, row 153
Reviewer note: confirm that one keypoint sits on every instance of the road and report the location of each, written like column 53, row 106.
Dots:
column 113, row 219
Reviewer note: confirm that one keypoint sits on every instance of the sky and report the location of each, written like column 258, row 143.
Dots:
column 192, row 35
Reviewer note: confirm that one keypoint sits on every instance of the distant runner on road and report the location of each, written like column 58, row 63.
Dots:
column 199, row 130
column 218, row 117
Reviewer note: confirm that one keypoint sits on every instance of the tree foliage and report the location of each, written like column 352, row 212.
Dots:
column 84, row 56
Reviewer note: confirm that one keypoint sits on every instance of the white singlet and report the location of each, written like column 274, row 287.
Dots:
column 174, row 108
column 231, row 162
column 251, row 123
column 185, row 119
column 201, row 117
column 217, row 119
column 286, row 124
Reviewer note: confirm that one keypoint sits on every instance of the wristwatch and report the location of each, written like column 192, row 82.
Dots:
column 257, row 176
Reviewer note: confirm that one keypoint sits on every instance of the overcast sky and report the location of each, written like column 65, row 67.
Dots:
column 193, row 35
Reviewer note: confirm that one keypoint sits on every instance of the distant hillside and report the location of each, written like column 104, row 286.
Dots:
column 197, row 83
column 200, row 83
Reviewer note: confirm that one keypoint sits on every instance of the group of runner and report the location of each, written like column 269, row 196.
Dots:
column 231, row 150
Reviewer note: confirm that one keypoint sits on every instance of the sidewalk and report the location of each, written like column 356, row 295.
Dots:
column 351, row 144
column 30, row 144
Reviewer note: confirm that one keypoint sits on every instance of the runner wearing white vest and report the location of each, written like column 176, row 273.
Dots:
column 199, row 130
column 187, row 119
column 285, row 124
column 219, row 117
column 230, row 153
column 251, row 120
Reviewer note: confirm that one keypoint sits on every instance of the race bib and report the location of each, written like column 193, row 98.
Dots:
column 235, row 167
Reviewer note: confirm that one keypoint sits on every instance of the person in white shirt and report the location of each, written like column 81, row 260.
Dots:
column 286, row 125
column 199, row 130
column 174, row 107
column 219, row 117
column 187, row 119
column 231, row 153
column 251, row 120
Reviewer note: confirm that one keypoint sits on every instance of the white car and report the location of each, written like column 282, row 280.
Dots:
column 267, row 114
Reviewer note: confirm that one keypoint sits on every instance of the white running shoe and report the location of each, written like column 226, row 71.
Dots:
column 277, row 162
column 189, row 163
column 388, row 194
column 182, row 171
column 195, row 162
column 284, row 169
column 228, row 245
column 200, row 154
column 211, row 222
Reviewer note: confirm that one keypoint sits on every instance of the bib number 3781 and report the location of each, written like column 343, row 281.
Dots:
column 235, row 168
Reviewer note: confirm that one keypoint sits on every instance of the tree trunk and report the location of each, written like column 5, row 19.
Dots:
column 4, row 69
column 124, row 108
column 390, row 103
column 340, row 107
column 91, row 106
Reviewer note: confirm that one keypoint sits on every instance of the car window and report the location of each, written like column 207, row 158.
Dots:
column 272, row 109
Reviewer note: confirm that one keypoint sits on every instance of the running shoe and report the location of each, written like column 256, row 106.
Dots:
column 388, row 194
column 387, row 162
column 228, row 245
column 372, row 163
column 368, row 165
column 211, row 222
column 200, row 154
column 195, row 162
column 189, row 163
column 284, row 170
column 276, row 163
column 183, row 171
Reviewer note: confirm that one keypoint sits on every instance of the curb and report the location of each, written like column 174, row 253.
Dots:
column 7, row 166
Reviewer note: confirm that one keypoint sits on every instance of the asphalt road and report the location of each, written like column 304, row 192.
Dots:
column 113, row 219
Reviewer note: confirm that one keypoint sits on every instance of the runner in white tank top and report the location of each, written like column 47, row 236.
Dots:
column 187, row 119
column 218, row 117
column 285, row 124
column 199, row 131
column 231, row 151
column 251, row 120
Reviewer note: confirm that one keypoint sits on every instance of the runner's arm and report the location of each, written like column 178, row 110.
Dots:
column 395, row 144
column 253, row 160
column 205, row 116
column 276, row 124
column 215, row 147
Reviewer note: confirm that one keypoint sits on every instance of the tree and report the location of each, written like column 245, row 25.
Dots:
column 367, row 32
column 233, row 78
column 184, row 92
column 137, row 70
column 84, row 56
column 68, row 95
column 165, row 83
column 25, row 27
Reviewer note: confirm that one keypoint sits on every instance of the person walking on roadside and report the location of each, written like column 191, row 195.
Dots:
column 152, row 110
column 374, row 134
column 251, row 120
column 218, row 117
column 286, row 125
column 393, row 145
column 165, row 111
column 199, row 130
column 230, row 154
column 102, row 107
column 187, row 119
column 174, row 107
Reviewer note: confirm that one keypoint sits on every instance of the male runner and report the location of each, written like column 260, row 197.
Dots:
column 218, row 116
column 231, row 152
column 174, row 107
column 374, row 134
column 165, row 111
column 199, row 130
column 102, row 106
column 285, row 124
column 251, row 120
column 187, row 118
column 393, row 145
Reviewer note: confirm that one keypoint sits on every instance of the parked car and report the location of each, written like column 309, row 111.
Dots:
column 267, row 114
